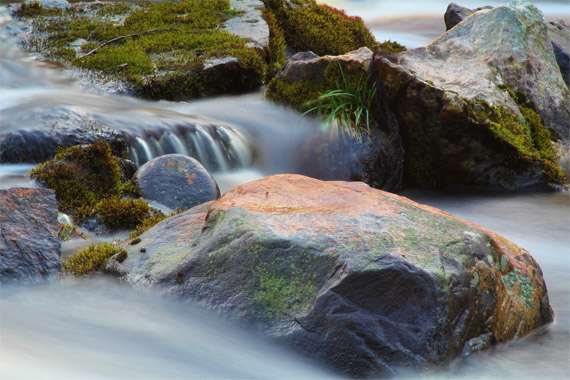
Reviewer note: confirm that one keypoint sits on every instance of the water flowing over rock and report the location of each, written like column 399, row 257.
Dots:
column 29, row 246
column 176, row 181
column 365, row 281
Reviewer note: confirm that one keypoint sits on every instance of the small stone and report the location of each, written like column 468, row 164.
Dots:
column 176, row 181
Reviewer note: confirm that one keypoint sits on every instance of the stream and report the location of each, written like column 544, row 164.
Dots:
column 102, row 329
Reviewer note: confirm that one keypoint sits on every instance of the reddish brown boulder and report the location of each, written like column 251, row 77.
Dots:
column 364, row 280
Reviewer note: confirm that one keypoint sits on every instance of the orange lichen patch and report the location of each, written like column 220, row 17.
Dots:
column 189, row 177
column 171, row 164
column 288, row 194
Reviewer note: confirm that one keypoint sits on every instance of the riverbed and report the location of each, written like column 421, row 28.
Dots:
column 101, row 329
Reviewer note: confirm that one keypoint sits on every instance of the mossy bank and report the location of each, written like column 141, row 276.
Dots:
column 167, row 50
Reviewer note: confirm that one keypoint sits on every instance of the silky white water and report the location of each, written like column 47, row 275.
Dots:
column 101, row 329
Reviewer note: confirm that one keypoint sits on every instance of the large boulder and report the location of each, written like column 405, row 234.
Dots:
column 176, row 181
column 365, row 281
column 467, row 60
column 474, row 115
column 29, row 246
column 559, row 32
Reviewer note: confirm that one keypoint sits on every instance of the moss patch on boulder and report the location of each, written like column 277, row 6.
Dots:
column 162, row 50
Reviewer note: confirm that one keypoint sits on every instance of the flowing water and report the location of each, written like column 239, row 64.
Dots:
column 100, row 329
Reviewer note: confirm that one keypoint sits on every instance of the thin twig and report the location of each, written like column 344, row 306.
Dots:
column 155, row 30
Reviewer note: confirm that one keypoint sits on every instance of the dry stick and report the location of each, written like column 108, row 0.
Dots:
column 129, row 35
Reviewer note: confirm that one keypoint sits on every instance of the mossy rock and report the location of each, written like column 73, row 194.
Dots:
column 160, row 50
column 308, row 26
column 87, row 184
column 365, row 281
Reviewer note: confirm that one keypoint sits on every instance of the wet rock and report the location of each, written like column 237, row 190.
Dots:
column 29, row 246
column 559, row 32
column 176, row 181
column 35, row 136
column 455, row 13
column 375, row 159
column 365, row 281
column 249, row 23
column 309, row 66
column 525, row 62
column 61, row 4
column 446, row 146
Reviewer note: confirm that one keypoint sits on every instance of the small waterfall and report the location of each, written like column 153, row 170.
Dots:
column 217, row 147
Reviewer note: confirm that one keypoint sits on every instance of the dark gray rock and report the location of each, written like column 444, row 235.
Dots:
column 29, row 245
column 176, row 181
column 362, row 280
column 559, row 32
column 455, row 13
column 36, row 135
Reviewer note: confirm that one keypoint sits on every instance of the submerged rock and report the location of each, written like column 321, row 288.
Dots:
column 29, row 246
column 365, row 281
column 176, row 181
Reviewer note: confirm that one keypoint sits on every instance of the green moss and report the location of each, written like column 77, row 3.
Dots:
column 160, row 49
column 529, row 139
column 80, row 176
column 320, row 28
column 67, row 232
column 280, row 295
column 295, row 94
column 122, row 213
column 150, row 222
column 89, row 260
column 275, row 51
column 391, row 47
column 35, row 9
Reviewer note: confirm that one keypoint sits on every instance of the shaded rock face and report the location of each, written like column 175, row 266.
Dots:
column 176, row 181
column 29, row 247
column 559, row 32
column 365, row 281
column 445, row 146
column 376, row 159
column 466, row 60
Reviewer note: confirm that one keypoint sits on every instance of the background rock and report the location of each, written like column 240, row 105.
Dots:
column 363, row 280
column 176, row 181
column 29, row 247
column 466, row 60
column 559, row 32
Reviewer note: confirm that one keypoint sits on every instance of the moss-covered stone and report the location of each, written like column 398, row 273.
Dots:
column 161, row 50
column 89, row 260
column 120, row 213
column 87, row 181
column 319, row 28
